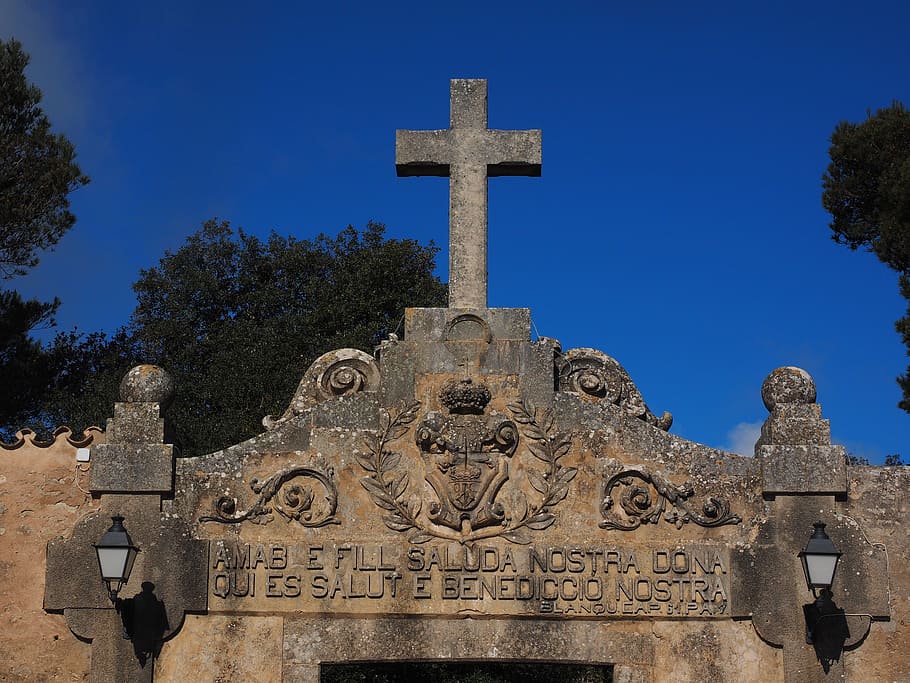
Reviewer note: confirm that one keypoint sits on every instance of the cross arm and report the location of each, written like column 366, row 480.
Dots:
column 513, row 152
column 422, row 152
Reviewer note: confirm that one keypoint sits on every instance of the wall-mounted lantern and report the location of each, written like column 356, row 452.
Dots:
column 819, row 559
column 116, row 554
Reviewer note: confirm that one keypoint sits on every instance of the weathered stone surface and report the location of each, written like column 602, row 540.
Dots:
column 139, row 468
column 173, row 562
column 42, row 495
column 131, row 474
column 803, row 469
column 796, row 424
column 224, row 648
column 877, row 509
column 136, row 423
column 359, row 411
column 771, row 588
column 308, row 642
column 338, row 373
column 794, row 448
column 378, row 517
column 479, row 324
column 789, row 395
column 596, row 376
column 633, row 490
column 715, row 651
column 167, row 557
column 112, row 655
column 147, row 384
column 788, row 385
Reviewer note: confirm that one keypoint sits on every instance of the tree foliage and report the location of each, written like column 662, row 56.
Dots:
column 24, row 371
column 867, row 192
column 38, row 169
column 37, row 172
column 85, row 372
column 237, row 321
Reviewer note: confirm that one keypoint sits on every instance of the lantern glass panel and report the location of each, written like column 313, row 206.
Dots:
column 820, row 569
column 113, row 562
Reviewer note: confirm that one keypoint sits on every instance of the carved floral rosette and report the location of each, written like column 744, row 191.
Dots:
column 388, row 482
column 305, row 494
column 633, row 497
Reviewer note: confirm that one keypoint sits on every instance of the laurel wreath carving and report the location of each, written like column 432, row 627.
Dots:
column 387, row 483
column 644, row 499
column 548, row 446
column 294, row 502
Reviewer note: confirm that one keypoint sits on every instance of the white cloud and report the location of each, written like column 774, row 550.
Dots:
column 741, row 439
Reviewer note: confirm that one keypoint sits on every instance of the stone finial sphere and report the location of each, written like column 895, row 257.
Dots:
column 788, row 385
column 147, row 383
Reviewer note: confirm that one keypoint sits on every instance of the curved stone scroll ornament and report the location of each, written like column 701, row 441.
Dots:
column 282, row 493
column 644, row 497
column 594, row 374
column 387, row 482
column 337, row 373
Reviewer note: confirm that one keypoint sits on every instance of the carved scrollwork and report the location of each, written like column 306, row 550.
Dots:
column 348, row 376
column 594, row 374
column 289, row 492
column 634, row 497
column 338, row 373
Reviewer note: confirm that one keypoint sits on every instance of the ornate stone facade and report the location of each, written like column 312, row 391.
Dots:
column 469, row 493
column 471, row 475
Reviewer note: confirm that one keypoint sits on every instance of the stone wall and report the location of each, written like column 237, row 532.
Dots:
column 40, row 498
column 878, row 506
column 43, row 492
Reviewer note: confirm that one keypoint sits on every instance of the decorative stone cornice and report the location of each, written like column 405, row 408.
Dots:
column 26, row 438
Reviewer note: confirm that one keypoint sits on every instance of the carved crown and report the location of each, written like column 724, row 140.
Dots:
column 464, row 397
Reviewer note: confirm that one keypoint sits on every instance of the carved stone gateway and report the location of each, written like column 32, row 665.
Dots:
column 468, row 493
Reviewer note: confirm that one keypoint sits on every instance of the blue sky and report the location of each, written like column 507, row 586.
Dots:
column 677, row 225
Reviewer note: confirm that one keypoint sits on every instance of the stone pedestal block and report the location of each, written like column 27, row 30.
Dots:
column 797, row 469
column 136, row 468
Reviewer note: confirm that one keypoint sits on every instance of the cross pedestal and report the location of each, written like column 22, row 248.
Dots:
column 468, row 153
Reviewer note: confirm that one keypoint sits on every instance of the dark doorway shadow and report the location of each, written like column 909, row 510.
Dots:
column 144, row 622
column 826, row 630
column 464, row 672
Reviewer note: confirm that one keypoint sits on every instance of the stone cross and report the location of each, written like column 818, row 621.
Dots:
column 468, row 153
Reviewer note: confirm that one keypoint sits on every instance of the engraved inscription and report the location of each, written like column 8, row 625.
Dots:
column 454, row 578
